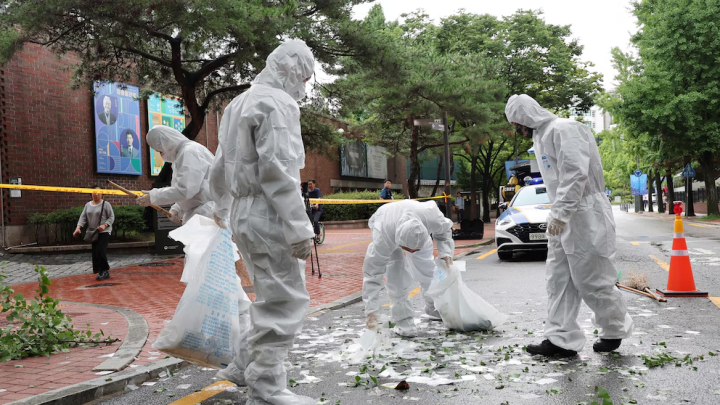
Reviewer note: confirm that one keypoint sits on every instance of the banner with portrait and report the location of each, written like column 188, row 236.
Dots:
column 639, row 184
column 163, row 111
column 353, row 159
column 118, row 148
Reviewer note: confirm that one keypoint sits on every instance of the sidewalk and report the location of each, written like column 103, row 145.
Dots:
column 153, row 292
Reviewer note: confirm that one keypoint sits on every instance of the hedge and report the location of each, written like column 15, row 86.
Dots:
column 350, row 212
column 128, row 221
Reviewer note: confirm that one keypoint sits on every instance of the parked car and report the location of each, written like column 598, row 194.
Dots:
column 523, row 225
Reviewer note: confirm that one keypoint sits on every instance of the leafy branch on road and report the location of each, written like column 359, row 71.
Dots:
column 39, row 327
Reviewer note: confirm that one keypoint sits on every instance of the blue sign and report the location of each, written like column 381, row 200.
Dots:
column 688, row 171
column 639, row 185
column 118, row 144
column 638, row 173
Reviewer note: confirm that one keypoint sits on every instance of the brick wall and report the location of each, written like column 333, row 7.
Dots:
column 48, row 136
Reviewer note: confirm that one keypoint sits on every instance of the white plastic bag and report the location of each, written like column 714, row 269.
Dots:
column 459, row 307
column 206, row 323
column 195, row 235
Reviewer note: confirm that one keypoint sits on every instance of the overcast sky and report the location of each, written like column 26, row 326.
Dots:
column 599, row 25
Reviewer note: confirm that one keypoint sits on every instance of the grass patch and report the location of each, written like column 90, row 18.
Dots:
column 713, row 217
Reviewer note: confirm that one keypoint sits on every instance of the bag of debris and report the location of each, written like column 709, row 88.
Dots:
column 459, row 307
column 195, row 236
column 206, row 323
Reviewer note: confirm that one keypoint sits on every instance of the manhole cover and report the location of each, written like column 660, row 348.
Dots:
column 101, row 285
column 156, row 264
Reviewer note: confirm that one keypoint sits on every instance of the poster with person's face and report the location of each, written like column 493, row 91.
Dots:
column 353, row 156
column 376, row 162
column 163, row 111
column 117, row 129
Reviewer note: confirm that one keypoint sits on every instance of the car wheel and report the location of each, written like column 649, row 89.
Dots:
column 505, row 255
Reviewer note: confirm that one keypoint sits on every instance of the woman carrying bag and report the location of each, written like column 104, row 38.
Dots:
column 99, row 216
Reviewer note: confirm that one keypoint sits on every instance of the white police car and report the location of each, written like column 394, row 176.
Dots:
column 522, row 225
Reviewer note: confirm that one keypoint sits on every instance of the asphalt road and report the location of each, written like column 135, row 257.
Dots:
column 682, row 331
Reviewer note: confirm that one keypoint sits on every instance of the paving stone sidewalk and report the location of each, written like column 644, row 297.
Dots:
column 20, row 267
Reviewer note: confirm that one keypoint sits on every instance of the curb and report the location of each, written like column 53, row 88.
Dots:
column 685, row 219
column 78, row 248
column 357, row 297
column 133, row 343
column 88, row 391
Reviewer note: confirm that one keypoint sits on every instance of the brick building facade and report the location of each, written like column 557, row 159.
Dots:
column 47, row 138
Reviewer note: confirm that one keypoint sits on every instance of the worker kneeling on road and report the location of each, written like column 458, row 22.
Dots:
column 401, row 231
column 189, row 189
column 581, row 228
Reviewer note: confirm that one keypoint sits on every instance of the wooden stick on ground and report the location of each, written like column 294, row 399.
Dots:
column 637, row 291
column 647, row 290
column 130, row 193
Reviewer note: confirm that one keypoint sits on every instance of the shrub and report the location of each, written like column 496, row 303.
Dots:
column 128, row 221
column 350, row 212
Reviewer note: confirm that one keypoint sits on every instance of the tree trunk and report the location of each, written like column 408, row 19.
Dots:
column 708, row 165
column 658, row 184
column 690, row 201
column 486, row 200
column 650, row 191
column 437, row 177
column 414, row 176
column 671, row 191
column 473, row 187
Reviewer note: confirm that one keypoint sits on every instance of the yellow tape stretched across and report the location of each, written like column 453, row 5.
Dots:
column 118, row 192
column 64, row 189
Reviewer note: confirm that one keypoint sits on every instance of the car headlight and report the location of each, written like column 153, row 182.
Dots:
column 505, row 221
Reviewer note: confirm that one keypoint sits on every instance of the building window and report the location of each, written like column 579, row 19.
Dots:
column 593, row 113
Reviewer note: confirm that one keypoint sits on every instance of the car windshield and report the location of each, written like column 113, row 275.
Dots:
column 532, row 196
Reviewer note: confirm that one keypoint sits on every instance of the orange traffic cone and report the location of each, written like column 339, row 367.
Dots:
column 681, row 282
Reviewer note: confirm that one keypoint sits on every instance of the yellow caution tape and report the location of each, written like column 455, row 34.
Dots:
column 118, row 192
column 64, row 189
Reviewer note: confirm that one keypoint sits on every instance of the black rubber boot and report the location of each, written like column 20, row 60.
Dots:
column 546, row 348
column 606, row 345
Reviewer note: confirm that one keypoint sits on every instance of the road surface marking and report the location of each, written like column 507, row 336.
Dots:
column 486, row 254
column 635, row 243
column 412, row 294
column 661, row 263
column 207, row 392
column 704, row 251
column 332, row 249
column 698, row 225
column 715, row 300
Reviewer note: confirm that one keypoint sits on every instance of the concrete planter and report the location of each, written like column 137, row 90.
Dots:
column 356, row 224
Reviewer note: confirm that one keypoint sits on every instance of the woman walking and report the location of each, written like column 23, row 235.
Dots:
column 99, row 216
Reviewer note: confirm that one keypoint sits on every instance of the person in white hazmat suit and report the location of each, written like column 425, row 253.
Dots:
column 255, row 182
column 189, row 189
column 401, row 231
column 581, row 228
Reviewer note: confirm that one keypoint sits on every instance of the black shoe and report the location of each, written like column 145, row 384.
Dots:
column 104, row 275
column 606, row 345
column 99, row 276
column 546, row 348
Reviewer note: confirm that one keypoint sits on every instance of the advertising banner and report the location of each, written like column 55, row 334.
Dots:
column 163, row 111
column 118, row 148
column 638, row 184
column 376, row 162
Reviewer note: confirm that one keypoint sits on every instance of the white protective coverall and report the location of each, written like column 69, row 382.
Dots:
column 255, row 181
column 581, row 261
column 405, row 223
column 189, row 188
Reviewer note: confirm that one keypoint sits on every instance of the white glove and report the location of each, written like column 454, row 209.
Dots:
column 555, row 227
column 144, row 200
column 448, row 260
column 219, row 221
column 302, row 250
column 372, row 321
column 175, row 217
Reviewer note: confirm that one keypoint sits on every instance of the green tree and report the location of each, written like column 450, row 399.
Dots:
column 676, row 93
column 205, row 51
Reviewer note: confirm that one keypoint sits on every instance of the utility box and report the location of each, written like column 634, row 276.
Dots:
column 164, row 245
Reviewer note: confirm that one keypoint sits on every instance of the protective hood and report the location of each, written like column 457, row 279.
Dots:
column 524, row 110
column 287, row 68
column 411, row 233
column 166, row 140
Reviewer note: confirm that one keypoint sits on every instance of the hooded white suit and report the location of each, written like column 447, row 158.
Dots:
column 255, row 182
column 405, row 223
column 581, row 261
column 191, row 167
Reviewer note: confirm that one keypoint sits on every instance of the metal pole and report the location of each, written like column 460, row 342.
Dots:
column 446, row 141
